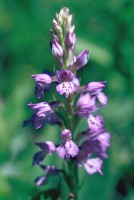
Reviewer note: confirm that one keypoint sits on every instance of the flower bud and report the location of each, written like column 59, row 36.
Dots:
column 57, row 50
column 72, row 28
column 64, row 19
column 57, row 28
column 82, row 59
column 70, row 39
column 70, row 19
column 64, row 13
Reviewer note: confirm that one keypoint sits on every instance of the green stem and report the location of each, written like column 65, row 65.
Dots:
column 72, row 165
column 73, row 175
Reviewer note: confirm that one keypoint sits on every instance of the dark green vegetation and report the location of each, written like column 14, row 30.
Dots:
column 104, row 27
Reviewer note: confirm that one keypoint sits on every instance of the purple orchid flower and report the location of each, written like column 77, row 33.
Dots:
column 95, row 88
column 68, row 147
column 68, row 83
column 47, row 147
column 86, row 105
column 36, row 121
column 93, row 146
column 43, row 83
column 92, row 165
column 43, row 113
column 96, row 143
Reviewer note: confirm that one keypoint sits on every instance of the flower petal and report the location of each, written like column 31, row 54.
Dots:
column 41, row 180
column 71, row 148
column 95, row 123
column 67, row 88
column 61, row 151
column 102, row 98
column 93, row 165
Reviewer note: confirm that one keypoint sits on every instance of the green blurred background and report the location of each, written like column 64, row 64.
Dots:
column 104, row 27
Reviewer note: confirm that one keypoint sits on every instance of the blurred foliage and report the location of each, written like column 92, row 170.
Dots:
column 105, row 28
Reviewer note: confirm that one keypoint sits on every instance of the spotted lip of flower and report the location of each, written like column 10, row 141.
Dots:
column 68, row 83
column 68, row 148
column 95, row 123
column 82, row 59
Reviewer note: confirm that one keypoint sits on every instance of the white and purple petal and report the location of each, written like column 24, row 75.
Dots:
column 45, row 79
column 57, row 49
column 61, row 151
column 66, row 135
column 71, row 149
column 47, row 146
column 102, row 98
column 95, row 123
column 94, row 87
column 104, row 139
column 67, row 88
column 93, row 165
column 41, row 180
